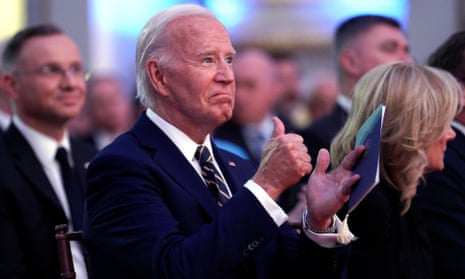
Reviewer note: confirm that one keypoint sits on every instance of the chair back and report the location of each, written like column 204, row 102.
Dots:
column 63, row 238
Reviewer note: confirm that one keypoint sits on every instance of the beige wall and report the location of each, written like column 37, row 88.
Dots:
column 432, row 22
column 70, row 15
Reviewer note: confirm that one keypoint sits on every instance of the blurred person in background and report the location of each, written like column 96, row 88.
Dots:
column 81, row 125
column 288, row 76
column 318, row 95
column 109, row 108
column 44, row 75
column 360, row 44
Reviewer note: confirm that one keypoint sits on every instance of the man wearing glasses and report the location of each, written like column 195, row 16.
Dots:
column 44, row 74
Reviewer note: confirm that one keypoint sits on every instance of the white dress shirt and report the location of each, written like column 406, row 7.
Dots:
column 5, row 119
column 344, row 102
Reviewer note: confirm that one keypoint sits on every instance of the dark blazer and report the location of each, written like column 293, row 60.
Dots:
column 29, row 208
column 321, row 132
column 443, row 201
column 149, row 215
column 389, row 245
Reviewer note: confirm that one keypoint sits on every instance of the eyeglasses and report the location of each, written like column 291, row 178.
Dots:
column 55, row 71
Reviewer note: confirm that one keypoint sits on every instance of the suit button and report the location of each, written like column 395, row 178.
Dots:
column 255, row 244
column 245, row 252
column 335, row 264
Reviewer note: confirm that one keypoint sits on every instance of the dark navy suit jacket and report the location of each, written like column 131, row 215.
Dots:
column 29, row 208
column 149, row 215
column 442, row 200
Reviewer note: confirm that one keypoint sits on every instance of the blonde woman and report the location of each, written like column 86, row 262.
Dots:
column 420, row 104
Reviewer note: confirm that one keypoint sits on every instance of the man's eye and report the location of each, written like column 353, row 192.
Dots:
column 51, row 70
column 389, row 47
column 76, row 69
column 207, row 60
column 229, row 60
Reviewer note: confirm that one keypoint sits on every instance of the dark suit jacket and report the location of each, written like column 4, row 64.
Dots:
column 29, row 209
column 149, row 215
column 443, row 202
column 389, row 245
column 321, row 132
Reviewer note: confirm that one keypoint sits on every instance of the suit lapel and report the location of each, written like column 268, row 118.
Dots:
column 232, row 169
column 28, row 165
column 171, row 160
column 81, row 156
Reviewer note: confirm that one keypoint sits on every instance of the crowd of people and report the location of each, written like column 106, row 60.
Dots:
column 213, row 174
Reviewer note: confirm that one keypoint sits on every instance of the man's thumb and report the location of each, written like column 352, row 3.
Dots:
column 322, row 161
column 278, row 127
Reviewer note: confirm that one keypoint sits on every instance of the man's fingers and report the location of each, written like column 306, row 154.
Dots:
column 348, row 183
column 352, row 158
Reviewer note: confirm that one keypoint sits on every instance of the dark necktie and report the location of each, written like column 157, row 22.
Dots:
column 73, row 193
column 213, row 179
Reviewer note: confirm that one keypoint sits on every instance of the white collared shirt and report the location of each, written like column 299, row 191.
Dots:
column 459, row 126
column 104, row 138
column 5, row 119
column 345, row 102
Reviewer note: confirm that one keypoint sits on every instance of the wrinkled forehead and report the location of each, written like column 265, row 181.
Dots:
column 198, row 29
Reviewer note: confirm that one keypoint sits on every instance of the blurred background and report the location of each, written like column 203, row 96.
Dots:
column 106, row 30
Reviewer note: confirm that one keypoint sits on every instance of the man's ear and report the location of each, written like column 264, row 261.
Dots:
column 156, row 76
column 9, row 85
column 350, row 62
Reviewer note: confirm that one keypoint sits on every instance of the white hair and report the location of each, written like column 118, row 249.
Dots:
column 152, row 42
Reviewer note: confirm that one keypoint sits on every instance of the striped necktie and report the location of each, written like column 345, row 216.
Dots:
column 213, row 179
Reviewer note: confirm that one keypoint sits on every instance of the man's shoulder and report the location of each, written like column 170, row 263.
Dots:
column 326, row 127
column 336, row 118
column 82, row 145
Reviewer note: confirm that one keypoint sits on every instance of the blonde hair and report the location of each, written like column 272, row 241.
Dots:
column 421, row 102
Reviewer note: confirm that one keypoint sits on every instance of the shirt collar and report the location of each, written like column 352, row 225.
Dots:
column 184, row 143
column 265, row 127
column 345, row 102
column 43, row 146
column 4, row 120
column 459, row 126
